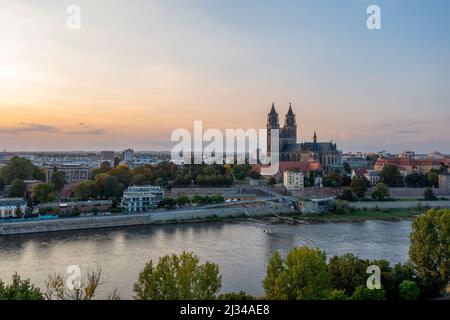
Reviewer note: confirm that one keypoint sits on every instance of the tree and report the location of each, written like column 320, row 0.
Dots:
column 108, row 186
column 38, row 174
column 347, row 272
column 241, row 295
column 86, row 289
column 429, row 250
column 19, row 290
column 17, row 168
column 408, row 290
column 347, row 168
column 302, row 275
column 428, row 195
column 364, row 293
column 332, row 180
column 340, row 207
column 123, row 174
column 416, row 180
column 17, row 189
column 271, row 181
column 390, row 175
column 178, row 277
column 346, row 195
column 86, row 190
column 359, row 186
column 44, row 192
column 381, row 192
column 58, row 179
column 433, row 177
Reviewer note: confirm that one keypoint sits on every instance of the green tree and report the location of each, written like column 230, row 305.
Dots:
column 429, row 250
column 17, row 189
column 347, row 168
column 44, row 192
column 86, row 190
column 332, row 180
column 19, row 290
column 58, row 179
column 38, row 174
column 17, row 168
column 347, row 195
column 123, row 174
column 428, row 195
column 108, row 186
column 433, row 178
column 381, row 192
column 302, row 275
column 408, row 290
column 390, row 175
column 341, row 207
column 347, row 272
column 271, row 181
column 359, row 186
column 178, row 277
column 416, row 180
column 364, row 293
column 241, row 295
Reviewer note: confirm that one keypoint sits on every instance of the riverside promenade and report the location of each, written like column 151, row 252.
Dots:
column 122, row 220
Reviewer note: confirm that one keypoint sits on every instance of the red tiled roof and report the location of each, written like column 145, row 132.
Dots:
column 408, row 162
column 360, row 172
column 304, row 166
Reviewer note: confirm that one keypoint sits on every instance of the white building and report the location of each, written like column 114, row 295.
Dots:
column 128, row 155
column 12, row 207
column 142, row 198
column 293, row 180
column 372, row 176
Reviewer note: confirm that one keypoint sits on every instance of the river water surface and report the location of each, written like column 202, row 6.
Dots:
column 242, row 249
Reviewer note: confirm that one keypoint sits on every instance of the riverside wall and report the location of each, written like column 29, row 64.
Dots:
column 400, row 204
column 95, row 222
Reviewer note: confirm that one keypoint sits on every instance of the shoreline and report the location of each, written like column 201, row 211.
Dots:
column 123, row 221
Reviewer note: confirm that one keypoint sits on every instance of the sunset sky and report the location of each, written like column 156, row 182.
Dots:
column 137, row 70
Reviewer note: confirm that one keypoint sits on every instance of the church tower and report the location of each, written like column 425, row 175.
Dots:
column 272, row 123
column 289, row 132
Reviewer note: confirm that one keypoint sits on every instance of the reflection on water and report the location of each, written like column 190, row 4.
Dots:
column 241, row 249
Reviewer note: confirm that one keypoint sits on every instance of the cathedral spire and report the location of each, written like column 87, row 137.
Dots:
column 315, row 137
column 272, row 117
column 290, row 118
column 290, row 112
column 273, row 111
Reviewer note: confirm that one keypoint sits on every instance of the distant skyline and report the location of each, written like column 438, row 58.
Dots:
column 136, row 71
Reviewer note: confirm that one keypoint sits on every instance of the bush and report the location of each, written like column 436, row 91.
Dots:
column 341, row 207
column 429, row 195
column 408, row 290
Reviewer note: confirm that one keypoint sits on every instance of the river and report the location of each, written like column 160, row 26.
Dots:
column 241, row 249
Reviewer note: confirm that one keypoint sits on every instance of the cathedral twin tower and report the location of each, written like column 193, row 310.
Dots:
column 326, row 153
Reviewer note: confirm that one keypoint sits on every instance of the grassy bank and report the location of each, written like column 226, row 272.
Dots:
column 362, row 215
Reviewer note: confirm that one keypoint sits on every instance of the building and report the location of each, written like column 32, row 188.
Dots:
column 31, row 184
column 358, row 172
column 444, row 182
column 142, row 198
column 315, row 206
column 326, row 153
column 407, row 155
column 12, row 207
column 293, row 180
column 128, row 155
column 73, row 172
column 80, row 206
column 407, row 165
column 372, row 176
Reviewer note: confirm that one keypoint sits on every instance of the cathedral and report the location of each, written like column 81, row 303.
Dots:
column 326, row 153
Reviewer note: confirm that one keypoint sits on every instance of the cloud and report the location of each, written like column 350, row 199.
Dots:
column 93, row 132
column 408, row 132
column 29, row 127
column 385, row 124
